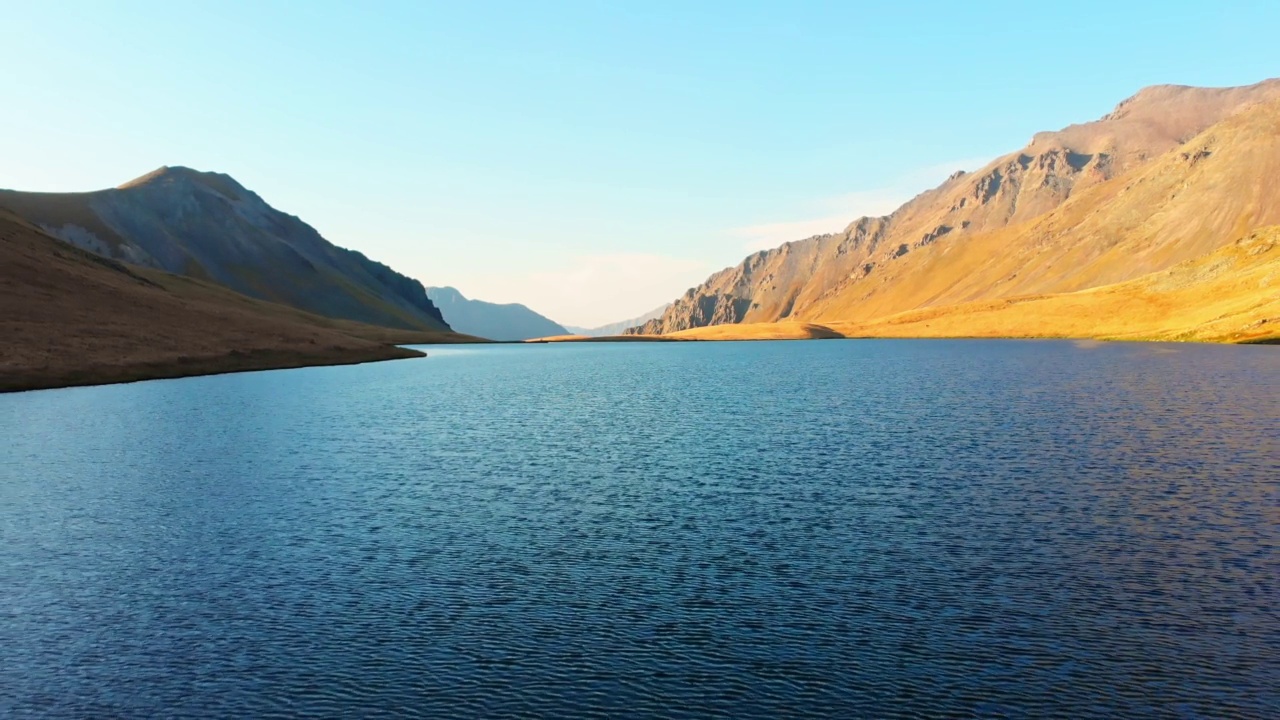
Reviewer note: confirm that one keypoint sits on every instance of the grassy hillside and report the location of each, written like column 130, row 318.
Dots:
column 209, row 227
column 69, row 317
column 1184, row 204
column 1229, row 295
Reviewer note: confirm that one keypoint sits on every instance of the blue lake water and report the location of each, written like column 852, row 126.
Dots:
column 830, row 529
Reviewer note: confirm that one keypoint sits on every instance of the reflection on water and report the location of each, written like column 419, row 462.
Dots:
column 862, row 528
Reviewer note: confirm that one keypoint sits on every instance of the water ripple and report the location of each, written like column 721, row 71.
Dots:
column 837, row 529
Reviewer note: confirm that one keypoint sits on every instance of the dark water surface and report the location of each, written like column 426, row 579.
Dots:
column 840, row 529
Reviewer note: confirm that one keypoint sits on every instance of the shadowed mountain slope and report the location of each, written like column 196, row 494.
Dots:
column 491, row 320
column 71, row 317
column 207, row 226
column 1172, row 173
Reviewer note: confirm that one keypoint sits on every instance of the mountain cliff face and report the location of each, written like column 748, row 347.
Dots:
column 874, row 266
column 1185, row 204
column 491, row 320
column 208, row 226
column 1229, row 295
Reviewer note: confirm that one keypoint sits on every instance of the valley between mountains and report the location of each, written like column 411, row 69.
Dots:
column 1158, row 221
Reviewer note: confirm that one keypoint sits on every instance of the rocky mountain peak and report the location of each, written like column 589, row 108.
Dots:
column 1146, row 96
column 174, row 177
column 446, row 293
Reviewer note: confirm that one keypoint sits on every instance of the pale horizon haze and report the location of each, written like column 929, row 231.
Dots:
column 589, row 160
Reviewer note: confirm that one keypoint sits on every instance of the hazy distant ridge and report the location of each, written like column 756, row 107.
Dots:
column 620, row 327
column 492, row 320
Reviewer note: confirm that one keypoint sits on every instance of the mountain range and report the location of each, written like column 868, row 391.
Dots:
column 1171, row 176
column 504, row 322
column 207, row 226
column 620, row 327
column 1160, row 220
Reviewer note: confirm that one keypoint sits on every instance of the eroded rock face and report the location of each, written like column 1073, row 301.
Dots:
column 794, row 279
column 770, row 285
column 208, row 226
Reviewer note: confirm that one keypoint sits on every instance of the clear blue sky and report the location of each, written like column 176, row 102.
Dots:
column 590, row 159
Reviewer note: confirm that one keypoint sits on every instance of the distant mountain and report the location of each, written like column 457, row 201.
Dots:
column 1172, row 174
column 491, row 320
column 618, row 328
column 207, row 226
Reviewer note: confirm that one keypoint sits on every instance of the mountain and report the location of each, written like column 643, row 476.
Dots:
column 620, row 327
column 491, row 320
column 71, row 317
column 1229, row 295
column 1171, row 174
column 1181, row 205
column 207, row 226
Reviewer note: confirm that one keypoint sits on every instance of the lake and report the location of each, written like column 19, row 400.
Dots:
column 881, row 528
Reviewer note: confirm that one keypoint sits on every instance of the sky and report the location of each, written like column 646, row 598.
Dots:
column 591, row 160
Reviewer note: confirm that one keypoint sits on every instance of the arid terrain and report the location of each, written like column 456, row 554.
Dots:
column 1229, row 295
column 69, row 317
column 1171, row 176
column 1159, row 221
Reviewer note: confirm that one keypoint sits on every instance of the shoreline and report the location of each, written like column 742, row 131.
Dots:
column 1076, row 338
column 258, row 360
column 70, row 318
column 185, row 366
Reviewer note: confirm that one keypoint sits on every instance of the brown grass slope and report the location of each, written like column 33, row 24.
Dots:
column 1182, row 205
column 69, row 317
column 207, row 226
column 1229, row 295
column 825, row 278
